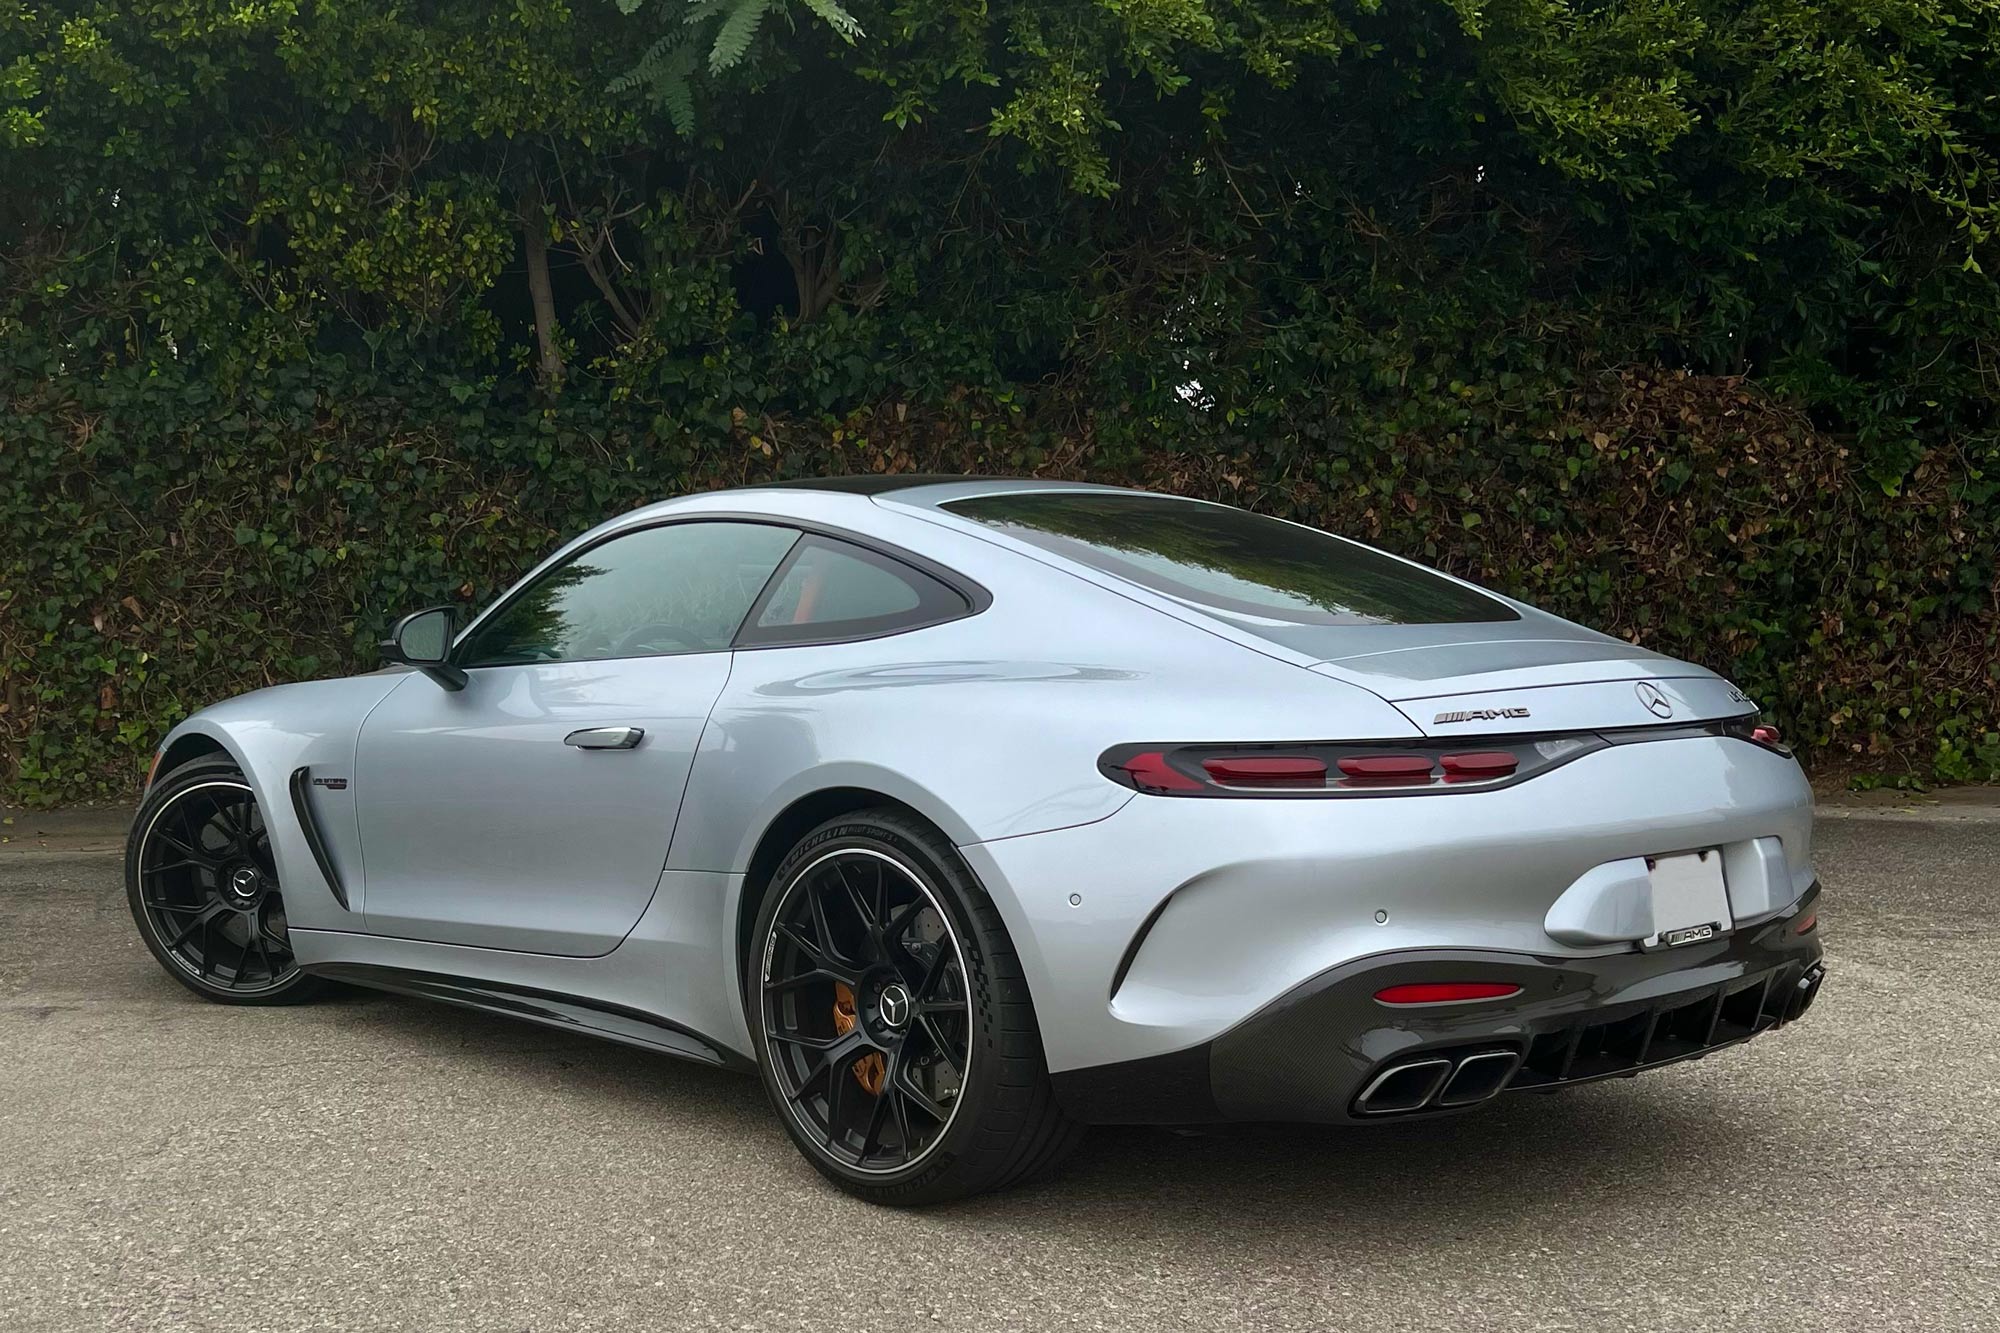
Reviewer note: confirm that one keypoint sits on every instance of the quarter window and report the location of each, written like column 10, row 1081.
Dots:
column 832, row 589
column 677, row 588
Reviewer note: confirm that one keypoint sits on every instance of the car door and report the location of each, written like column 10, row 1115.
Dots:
column 533, row 808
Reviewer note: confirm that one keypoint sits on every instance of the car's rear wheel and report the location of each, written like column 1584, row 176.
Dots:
column 892, row 1022
column 203, row 888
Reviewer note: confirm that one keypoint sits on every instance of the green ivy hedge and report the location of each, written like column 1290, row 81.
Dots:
column 172, row 546
column 1675, row 318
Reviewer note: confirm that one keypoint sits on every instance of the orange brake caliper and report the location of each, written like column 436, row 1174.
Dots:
column 869, row 1069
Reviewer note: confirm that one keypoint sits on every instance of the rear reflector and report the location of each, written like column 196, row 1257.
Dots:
column 1267, row 771
column 1807, row 925
column 1446, row 992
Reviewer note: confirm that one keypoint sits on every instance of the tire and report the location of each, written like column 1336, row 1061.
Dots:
column 204, row 891
column 957, row 1099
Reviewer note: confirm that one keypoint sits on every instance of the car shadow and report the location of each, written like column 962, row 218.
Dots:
column 1672, row 1139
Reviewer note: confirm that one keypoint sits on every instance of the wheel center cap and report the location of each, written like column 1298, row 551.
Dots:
column 893, row 1005
column 244, row 883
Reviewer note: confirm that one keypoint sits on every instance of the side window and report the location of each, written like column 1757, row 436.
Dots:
column 678, row 588
column 831, row 589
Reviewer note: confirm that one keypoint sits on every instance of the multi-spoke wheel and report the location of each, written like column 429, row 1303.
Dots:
column 889, row 1012
column 204, row 889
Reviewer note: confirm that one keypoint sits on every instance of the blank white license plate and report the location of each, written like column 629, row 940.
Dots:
column 1690, row 901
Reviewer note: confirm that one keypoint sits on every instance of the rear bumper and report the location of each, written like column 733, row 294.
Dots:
column 1328, row 1052
column 1173, row 922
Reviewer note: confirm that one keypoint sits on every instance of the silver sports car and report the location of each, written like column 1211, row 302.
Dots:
column 970, row 812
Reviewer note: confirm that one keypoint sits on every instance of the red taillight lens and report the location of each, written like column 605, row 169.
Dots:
column 1480, row 764
column 1446, row 992
column 1757, row 733
column 1808, row 925
column 1267, row 771
column 1388, row 768
column 1150, row 771
column 1316, row 769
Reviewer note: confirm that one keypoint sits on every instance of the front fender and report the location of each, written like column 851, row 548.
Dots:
column 271, row 734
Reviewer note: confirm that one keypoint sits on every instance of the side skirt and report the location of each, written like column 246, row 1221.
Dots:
column 610, row 1022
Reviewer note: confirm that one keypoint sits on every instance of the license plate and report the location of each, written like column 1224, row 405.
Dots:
column 1690, row 901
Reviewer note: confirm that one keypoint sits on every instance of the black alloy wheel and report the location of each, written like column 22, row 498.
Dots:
column 204, row 889
column 865, row 1010
column 892, row 1024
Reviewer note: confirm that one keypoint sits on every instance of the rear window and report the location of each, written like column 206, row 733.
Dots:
column 1232, row 560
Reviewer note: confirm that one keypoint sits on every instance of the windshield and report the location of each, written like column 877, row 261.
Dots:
column 1232, row 560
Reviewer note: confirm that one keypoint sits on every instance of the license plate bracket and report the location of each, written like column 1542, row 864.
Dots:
column 1690, row 898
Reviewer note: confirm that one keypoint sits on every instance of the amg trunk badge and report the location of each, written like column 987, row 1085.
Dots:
column 1478, row 715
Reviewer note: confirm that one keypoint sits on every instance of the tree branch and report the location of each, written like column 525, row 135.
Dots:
column 535, row 247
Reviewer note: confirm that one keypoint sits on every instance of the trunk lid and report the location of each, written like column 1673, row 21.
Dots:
column 1468, row 684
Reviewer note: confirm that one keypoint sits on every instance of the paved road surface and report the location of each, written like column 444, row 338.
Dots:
column 379, row 1163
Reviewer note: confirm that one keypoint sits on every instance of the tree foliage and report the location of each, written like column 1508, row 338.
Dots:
column 1672, row 315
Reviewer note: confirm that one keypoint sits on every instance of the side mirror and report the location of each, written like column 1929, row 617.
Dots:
column 422, row 639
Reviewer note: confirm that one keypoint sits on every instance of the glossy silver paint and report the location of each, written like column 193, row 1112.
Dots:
column 474, row 841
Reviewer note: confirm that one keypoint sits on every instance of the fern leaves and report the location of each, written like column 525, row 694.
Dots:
column 666, row 71
column 831, row 14
column 732, row 39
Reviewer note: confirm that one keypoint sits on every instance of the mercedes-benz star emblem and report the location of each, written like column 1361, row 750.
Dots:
column 244, row 882
column 1656, row 703
column 894, row 1006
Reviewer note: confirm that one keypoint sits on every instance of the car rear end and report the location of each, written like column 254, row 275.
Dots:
column 1576, row 860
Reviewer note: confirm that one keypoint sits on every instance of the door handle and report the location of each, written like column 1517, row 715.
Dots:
column 606, row 738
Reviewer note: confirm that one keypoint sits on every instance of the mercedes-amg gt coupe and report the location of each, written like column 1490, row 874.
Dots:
column 971, row 812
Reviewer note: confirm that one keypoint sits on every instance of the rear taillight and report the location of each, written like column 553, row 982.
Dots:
column 1336, row 768
column 1267, row 771
column 1388, row 769
column 1757, row 733
column 1480, row 764
column 1150, row 771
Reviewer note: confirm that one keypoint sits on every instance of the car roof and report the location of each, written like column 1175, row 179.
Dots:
column 878, row 483
column 931, row 489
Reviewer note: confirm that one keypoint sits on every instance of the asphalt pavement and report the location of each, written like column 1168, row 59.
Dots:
column 381, row 1163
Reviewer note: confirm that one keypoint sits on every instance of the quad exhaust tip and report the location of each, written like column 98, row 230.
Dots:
column 1438, row 1082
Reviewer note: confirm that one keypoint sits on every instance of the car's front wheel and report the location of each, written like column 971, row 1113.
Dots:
column 892, row 1022
column 203, row 888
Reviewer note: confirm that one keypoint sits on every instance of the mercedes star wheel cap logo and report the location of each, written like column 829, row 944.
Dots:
column 244, row 882
column 1656, row 702
column 894, row 1005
